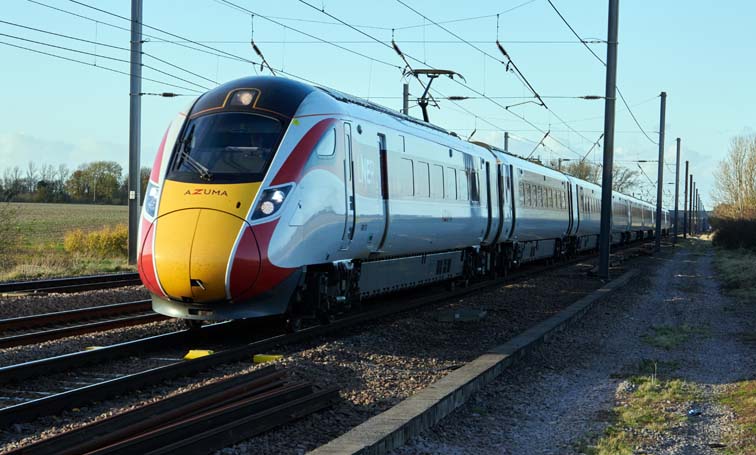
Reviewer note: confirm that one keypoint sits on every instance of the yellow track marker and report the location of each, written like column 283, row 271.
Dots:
column 262, row 358
column 92, row 348
column 197, row 353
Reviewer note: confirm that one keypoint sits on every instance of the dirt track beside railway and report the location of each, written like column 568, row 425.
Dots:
column 671, row 336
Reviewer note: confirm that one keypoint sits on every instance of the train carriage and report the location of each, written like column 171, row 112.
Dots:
column 273, row 197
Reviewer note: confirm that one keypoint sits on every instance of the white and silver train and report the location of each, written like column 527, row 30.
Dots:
column 273, row 197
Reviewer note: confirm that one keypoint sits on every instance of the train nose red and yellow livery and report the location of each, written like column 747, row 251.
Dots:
column 222, row 173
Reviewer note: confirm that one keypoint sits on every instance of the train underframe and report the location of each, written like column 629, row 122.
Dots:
column 336, row 288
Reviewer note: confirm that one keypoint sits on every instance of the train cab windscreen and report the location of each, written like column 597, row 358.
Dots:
column 226, row 147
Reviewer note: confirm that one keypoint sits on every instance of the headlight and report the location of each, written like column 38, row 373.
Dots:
column 151, row 199
column 271, row 201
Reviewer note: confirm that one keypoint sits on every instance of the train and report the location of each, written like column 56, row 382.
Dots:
column 270, row 197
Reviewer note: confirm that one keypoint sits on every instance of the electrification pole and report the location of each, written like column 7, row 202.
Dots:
column 660, row 173
column 693, row 193
column 135, row 118
column 608, row 163
column 698, row 215
column 685, row 204
column 405, row 97
column 690, row 207
column 677, row 187
column 506, row 141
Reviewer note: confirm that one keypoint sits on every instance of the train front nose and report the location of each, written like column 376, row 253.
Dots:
column 198, row 259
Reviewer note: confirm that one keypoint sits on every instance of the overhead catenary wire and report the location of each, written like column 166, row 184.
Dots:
column 217, row 52
column 96, row 66
column 408, row 56
column 149, row 37
column 521, row 76
column 619, row 92
column 509, row 63
column 106, row 57
column 110, row 46
column 309, row 35
column 221, row 53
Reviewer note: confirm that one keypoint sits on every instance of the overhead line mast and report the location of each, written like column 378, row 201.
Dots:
column 135, row 119
column 610, row 99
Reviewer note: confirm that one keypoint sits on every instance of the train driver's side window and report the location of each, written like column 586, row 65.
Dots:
column 327, row 145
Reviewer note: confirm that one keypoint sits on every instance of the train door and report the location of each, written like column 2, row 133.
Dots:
column 489, row 208
column 508, row 215
column 575, row 208
column 384, row 187
column 349, row 221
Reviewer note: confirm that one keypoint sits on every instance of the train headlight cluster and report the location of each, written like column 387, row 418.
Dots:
column 151, row 199
column 271, row 201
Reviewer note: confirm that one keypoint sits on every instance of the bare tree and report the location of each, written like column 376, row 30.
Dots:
column 624, row 179
column 735, row 179
column 31, row 176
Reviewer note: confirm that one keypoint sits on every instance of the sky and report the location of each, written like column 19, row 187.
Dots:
column 699, row 53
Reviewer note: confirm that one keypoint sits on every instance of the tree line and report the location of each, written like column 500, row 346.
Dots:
column 98, row 182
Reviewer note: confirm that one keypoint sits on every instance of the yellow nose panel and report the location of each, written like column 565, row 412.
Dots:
column 214, row 239
column 173, row 247
column 231, row 198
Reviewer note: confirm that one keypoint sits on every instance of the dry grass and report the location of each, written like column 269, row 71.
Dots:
column 652, row 407
column 670, row 337
column 737, row 273
column 40, row 251
column 742, row 400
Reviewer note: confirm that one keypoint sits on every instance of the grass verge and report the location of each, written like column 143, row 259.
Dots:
column 650, row 406
column 742, row 400
column 670, row 337
column 737, row 273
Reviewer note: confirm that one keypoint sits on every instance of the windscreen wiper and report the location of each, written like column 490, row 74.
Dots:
column 184, row 149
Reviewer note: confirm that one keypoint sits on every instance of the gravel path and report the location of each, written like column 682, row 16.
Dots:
column 561, row 398
column 375, row 366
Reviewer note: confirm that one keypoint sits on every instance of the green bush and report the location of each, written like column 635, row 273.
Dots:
column 105, row 242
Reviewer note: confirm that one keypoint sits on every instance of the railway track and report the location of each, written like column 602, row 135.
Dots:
column 197, row 421
column 98, row 375
column 49, row 326
column 72, row 284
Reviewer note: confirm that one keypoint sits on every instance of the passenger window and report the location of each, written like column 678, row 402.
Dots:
column 451, row 183
column 327, row 144
column 437, row 181
column 402, row 182
column 422, row 180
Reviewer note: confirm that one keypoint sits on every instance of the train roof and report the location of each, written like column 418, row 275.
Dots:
column 283, row 96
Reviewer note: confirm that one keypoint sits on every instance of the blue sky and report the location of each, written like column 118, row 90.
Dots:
column 699, row 52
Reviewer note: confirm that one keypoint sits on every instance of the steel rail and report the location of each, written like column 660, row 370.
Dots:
column 79, row 329
column 72, row 284
column 79, row 314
